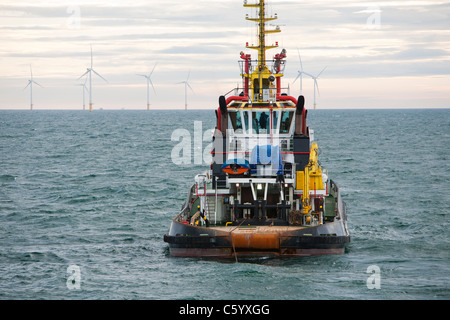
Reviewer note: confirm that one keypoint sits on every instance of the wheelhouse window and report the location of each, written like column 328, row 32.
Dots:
column 246, row 124
column 261, row 122
column 235, row 121
column 286, row 120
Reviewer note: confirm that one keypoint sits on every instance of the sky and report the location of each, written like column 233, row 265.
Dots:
column 377, row 54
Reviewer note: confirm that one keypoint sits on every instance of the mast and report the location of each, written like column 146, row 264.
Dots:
column 261, row 20
column 259, row 79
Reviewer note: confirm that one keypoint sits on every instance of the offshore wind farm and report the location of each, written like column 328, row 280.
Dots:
column 87, row 84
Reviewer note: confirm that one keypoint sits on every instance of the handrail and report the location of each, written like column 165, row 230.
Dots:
column 238, row 90
column 270, row 64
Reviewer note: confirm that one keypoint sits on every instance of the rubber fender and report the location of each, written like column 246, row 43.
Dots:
column 256, row 241
column 300, row 104
column 222, row 104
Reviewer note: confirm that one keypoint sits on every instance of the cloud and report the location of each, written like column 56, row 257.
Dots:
column 421, row 53
column 207, row 36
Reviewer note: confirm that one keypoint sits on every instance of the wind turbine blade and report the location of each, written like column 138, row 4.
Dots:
column 188, row 76
column 317, row 86
column 180, row 82
column 300, row 58
column 37, row 83
column 152, row 85
column 152, row 70
column 31, row 72
column 29, row 82
column 92, row 60
column 99, row 75
column 321, row 72
column 298, row 76
column 84, row 75
column 310, row 75
column 142, row 75
column 190, row 87
column 83, row 85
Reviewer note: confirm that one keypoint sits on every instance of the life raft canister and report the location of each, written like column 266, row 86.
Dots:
column 236, row 166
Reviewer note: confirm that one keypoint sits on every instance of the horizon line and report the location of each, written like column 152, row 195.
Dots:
column 208, row 109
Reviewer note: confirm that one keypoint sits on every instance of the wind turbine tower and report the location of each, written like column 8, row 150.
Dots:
column 30, row 83
column 186, row 85
column 89, row 71
column 84, row 89
column 316, row 84
column 149, row 81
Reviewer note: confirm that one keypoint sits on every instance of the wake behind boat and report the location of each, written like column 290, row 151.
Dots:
column 266, row 193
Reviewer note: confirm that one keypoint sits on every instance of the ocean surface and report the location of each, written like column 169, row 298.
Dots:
column 86, row 198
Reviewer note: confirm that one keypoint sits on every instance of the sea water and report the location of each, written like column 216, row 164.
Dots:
column 86, row 198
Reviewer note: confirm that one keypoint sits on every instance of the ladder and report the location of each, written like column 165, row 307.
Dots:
column 211, row 207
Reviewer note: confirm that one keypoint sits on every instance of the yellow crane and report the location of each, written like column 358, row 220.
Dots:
column 310, row 179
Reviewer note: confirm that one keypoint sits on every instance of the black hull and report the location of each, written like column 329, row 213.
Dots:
column 192, row 241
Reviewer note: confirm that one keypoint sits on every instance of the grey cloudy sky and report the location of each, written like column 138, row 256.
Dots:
column 379, row 54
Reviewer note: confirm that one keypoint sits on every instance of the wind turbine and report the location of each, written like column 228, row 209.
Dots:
column 84, row 89
column 89, row 71
column 30, row 83
column 300, row 73
column 149, row 81
column 186, row 84
column 315, row 84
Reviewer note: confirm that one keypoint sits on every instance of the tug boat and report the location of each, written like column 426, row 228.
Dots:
column 265, row 194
